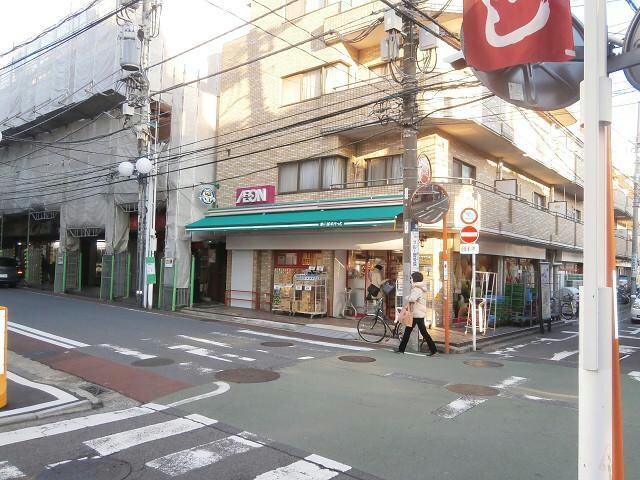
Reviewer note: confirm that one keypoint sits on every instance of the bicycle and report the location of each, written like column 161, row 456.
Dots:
column 567, row 307
column 374, row 327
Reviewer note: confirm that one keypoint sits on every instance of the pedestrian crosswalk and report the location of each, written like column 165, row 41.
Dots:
column 158, row 443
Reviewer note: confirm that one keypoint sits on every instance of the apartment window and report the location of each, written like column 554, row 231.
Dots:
column 313, row 174
column 463, row 170
column 577, row 214
column 539, row 201
column 384, row 171
column 313, row 83
column 379, row 71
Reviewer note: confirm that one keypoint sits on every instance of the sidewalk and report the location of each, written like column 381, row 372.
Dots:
column 343, row 328
column 31, row 394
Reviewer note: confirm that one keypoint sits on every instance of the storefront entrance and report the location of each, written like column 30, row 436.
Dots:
column 210, row 272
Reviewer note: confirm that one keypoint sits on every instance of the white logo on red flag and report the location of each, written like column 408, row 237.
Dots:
column 503, row 33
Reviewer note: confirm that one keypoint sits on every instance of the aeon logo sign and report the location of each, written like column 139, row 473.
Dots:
column 257, row 195
column 502, row 33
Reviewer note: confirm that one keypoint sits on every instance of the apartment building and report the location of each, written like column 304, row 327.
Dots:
column 64, row 210
column 311, row 170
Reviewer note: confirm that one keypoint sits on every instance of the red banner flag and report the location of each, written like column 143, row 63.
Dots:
column 503, row 33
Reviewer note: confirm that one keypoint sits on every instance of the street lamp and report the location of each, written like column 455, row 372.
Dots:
column 142, row 168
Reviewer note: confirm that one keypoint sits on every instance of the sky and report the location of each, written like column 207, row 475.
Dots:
column 23, row 19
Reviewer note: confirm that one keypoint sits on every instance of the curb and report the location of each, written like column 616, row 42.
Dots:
column 73, row 407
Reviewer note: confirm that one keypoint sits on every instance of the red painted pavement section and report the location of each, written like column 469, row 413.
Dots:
column 134, row 382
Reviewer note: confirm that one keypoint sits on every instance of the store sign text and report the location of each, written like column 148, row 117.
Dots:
column 255, row 195
column 331, row 224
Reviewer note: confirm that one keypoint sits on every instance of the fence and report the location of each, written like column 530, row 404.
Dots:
column 68, row 272
column 171, row 297
column 115, row 279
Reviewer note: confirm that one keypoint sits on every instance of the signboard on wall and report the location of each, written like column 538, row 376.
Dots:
column 256, row 195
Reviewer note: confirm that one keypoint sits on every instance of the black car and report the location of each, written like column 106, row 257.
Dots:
column 8, row 271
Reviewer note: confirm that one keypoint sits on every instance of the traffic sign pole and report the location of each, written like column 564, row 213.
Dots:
column 472, row 300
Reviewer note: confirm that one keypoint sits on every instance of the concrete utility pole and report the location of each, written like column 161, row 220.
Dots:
column 636, row 204
column 410, row 146
column 596, row 452
column 147, row 182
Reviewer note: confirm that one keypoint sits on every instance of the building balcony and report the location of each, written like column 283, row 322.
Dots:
column 622, row 204
column 623, row 243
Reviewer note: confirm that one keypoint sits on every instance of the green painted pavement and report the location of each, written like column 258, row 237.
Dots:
column 382, row 424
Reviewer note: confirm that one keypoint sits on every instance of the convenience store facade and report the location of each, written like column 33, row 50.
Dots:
column 338, row 243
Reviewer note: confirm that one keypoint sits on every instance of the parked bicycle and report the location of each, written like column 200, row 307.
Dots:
column 568, row 307
column 374, row 327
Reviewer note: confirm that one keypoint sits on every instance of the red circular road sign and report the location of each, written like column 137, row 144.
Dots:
column 469, row 234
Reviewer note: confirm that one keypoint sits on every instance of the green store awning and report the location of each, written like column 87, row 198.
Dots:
column 329, row 218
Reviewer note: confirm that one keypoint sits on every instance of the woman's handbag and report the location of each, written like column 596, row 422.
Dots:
column 406, row 316
column 373, row 290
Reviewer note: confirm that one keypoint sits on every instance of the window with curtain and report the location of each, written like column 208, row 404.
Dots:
column 313, row 174
column 463, row 170
column 291, row 89
column 288, row 177
column 311, row 84
column 336, row 77
column 384, row 171
column 334, row 172
column 309, row 175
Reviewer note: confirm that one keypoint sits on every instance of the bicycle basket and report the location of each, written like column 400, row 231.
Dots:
column 371, row 307
column 388, row 287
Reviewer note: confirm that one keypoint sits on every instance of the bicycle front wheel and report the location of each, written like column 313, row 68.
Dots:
column 371, row 329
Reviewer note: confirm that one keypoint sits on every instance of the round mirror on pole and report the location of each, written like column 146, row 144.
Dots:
column 632, row 42
column 541, row 86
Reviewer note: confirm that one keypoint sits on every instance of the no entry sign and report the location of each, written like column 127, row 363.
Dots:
column 469, row 234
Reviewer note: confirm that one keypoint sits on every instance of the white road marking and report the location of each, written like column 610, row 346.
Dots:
column 510, row 382
column 64, row 426
column 328, row 463
column 562, row 355
column 314, row 467
column 46, row 335
column 223, row 387
column 458, row 407
column 130, row 438
column 627, row 349
column 633, row 331
column 201, row 352
column 572, row 335
column 194, row 366
column 635, row 375
column 245, row 359
column 62, row 397
column 9, row 472
column 305, row 358
column 262, row 351
column 185, row 461
column 42, row 339
column 127, row 351
column 204, row 340
column 304, row 340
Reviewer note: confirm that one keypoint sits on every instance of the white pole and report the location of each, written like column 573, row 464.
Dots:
column 595, row 375
column 472, row 300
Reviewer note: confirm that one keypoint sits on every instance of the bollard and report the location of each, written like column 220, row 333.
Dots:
column 4, row 321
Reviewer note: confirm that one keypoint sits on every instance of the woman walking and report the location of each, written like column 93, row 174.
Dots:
column 418, row 305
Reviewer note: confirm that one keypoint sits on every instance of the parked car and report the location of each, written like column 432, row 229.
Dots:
column 8, row 271
column 635, row 311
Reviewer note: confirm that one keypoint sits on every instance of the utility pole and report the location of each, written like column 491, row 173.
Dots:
column 410, row 149
column 147, row 182
column 636, row 204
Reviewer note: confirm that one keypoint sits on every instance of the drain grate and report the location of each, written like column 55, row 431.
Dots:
column 474, row 390
column 152, row 362
column 277, row 344
column 94, row 390
column 85, row 468
column 482, row 363
column 247, row 375
column 356, row 359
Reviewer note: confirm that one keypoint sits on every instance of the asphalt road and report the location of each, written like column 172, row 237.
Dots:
column 511, row 415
